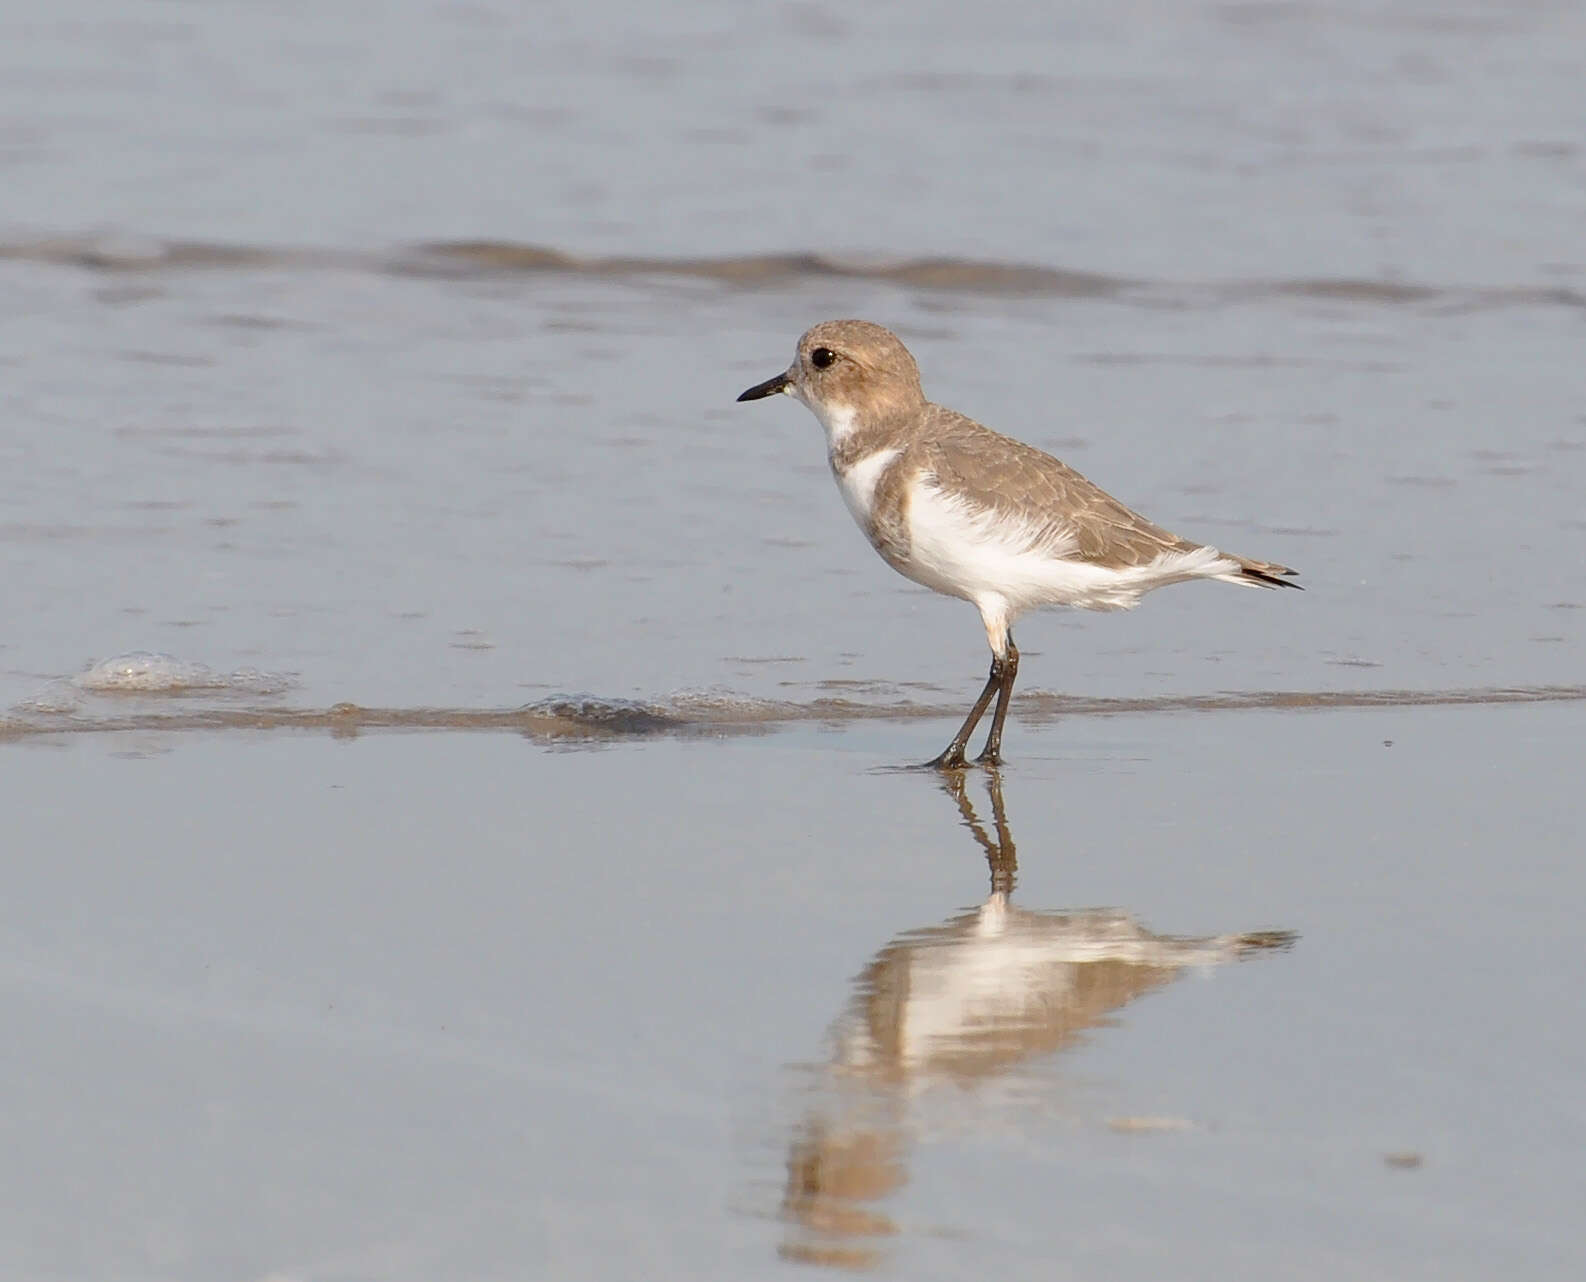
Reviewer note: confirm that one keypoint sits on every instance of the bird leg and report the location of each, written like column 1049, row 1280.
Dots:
column 992, row 756
column 952, row 757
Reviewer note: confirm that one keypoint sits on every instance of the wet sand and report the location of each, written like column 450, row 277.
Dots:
column 1206, row 994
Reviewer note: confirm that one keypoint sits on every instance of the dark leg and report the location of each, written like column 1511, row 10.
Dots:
column 992, row 756
column 952, row 757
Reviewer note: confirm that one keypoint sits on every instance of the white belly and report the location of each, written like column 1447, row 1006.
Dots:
column 965, row 550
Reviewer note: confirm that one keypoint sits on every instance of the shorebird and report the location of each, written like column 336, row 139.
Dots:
column 974, row 514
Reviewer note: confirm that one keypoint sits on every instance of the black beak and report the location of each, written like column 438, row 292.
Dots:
column 768, row 388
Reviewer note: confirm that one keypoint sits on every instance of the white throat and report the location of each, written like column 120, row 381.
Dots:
column 838, row 420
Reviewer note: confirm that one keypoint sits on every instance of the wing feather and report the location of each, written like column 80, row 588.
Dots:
column 1056, row 505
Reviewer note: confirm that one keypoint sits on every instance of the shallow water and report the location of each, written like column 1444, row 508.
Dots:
column 263, row 415
column 362, row 379
column 475, row 502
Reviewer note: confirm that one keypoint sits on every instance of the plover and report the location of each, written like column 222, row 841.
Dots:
column 974, row 514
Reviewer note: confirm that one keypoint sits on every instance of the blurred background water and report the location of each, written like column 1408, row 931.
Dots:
column 394, row 347
column 386, row 354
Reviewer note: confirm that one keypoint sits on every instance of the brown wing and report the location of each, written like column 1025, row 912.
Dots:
column 1060, row 505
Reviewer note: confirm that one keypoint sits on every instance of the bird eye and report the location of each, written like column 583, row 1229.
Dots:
column 822, row 357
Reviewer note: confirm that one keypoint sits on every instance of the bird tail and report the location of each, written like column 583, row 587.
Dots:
column 1259, row 574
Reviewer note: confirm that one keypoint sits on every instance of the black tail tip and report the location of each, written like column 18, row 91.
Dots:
column 1272, row 578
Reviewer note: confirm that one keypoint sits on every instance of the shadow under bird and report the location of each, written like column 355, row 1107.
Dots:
column 971, row 513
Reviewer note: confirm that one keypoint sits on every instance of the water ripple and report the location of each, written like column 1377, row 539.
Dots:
column 474, row 258
column 586, row 718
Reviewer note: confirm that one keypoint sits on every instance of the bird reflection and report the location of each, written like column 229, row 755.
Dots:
column 960, row 1003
